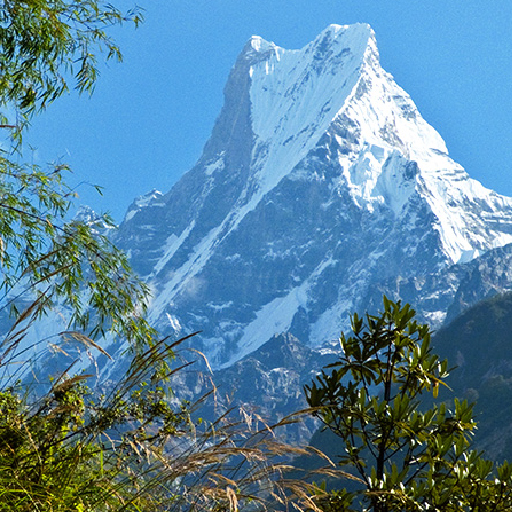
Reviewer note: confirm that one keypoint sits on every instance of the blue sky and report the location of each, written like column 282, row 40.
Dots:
column 150, row 116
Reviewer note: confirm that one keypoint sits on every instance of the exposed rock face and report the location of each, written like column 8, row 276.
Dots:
column 478, row 342
column 442, row 296
column 267, row 384
column 320, row 188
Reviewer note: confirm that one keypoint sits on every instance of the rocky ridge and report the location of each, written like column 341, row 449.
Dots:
column 321, row 186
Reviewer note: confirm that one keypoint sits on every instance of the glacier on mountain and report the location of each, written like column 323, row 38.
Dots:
column 321, row 183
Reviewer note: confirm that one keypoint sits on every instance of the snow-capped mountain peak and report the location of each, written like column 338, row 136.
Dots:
column 320, row 180
column 258, row 46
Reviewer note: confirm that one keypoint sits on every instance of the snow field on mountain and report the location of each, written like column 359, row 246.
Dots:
column 442, row 182
column 276, row 316
column 173, row 243
column 336, row 176
column 294, row 101
column 303, row 103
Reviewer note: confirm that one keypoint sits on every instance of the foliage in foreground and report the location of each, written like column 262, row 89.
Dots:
column 404, row 459
column 136, row 448
column 48, row 46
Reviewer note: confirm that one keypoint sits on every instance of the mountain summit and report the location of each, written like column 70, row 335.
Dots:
column 321, row 182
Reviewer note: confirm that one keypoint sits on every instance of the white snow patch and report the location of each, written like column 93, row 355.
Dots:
column 130, row 214
column 261, row 45
column 146, row 199
column 172, row 244
column 276, row 316
column 435, row 317
column 142, row 202
column 328, row 327
column 175, row 323
column 184, row 278
column 215, row 165
column 219, row 307
column 378, row 177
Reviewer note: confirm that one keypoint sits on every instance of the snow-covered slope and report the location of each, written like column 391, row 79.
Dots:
column 321, row 181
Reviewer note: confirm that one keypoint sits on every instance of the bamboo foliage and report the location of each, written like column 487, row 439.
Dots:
column 49, row 263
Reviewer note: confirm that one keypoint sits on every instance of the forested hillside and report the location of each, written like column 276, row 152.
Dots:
column 479, row 343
